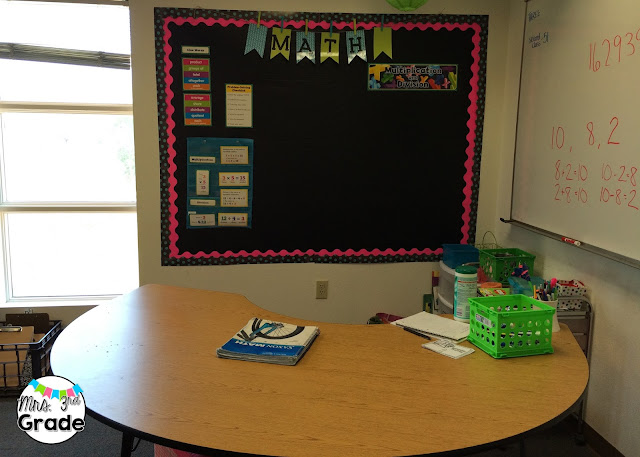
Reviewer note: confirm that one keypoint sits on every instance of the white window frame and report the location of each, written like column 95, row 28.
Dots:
column 56, row 55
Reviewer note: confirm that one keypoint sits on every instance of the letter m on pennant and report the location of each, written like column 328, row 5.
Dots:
column 280, row 42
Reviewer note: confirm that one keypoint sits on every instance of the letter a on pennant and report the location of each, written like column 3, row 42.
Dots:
column 382, row 42
column 280, row 42
column 330, row 47
column 305, row 46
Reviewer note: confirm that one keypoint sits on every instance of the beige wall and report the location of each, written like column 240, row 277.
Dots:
column 355, row 291
column 358, row 291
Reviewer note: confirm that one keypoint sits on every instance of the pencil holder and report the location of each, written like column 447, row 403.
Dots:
column 511, row 325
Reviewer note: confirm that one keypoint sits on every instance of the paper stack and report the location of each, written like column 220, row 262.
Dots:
column 435, row 325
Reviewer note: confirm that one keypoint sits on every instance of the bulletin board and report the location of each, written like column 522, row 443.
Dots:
column 317, row 137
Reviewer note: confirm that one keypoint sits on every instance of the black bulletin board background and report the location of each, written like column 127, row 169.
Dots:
column 336, row 167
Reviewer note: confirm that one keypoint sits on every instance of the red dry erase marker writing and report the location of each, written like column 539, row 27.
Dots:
column 571, row 241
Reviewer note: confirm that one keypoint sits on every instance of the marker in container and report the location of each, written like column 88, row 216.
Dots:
column 571, row 241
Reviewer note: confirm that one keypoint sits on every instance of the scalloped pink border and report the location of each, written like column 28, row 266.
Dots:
column 471, row 136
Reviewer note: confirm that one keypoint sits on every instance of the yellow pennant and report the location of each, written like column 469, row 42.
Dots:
column 382, row 42
column 280, row 42
column 330, row 46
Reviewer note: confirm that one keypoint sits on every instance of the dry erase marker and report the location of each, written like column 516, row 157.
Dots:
column 571, row 241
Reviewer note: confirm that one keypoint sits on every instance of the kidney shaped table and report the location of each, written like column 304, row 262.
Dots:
column 147, row 365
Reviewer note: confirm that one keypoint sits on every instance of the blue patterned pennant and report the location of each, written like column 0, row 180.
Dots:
column 256, row 39
column 356, row 46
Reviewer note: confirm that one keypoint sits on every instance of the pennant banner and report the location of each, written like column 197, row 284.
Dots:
column 48, row 392
column 305, row 46
column 280, row 42
column 382, row 42
column 329, row 46
column 256, row 39
column 356, row 46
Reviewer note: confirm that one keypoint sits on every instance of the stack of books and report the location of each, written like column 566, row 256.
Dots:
column 269, row 342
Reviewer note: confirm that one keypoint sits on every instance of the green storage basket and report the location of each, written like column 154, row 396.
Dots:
column 510, row 325
column 498, row 264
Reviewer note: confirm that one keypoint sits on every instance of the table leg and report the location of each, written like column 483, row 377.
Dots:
column 127, row 444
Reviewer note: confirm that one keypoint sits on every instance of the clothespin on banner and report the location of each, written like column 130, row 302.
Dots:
column 281, row 23
column 331, row 28
column 259, row 14
column 354, row 25
column 382, row 23
column 306, row 26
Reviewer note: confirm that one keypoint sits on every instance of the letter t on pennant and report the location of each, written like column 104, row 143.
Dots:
column 330, row 47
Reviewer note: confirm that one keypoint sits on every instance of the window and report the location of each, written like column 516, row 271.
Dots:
column 67, row 196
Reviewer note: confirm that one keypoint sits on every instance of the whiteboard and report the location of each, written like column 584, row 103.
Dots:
column 577, row 155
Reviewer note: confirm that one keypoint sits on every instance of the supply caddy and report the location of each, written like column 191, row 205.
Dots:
column 510, row 325
column 498, row 264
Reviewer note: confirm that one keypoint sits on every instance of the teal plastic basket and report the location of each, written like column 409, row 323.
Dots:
column 510, row 325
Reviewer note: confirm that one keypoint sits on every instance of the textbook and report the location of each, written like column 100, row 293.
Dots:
column 269, row 342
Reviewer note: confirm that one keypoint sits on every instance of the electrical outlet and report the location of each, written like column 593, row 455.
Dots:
column 322, row 289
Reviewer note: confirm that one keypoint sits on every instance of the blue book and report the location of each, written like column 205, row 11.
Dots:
column 269, row 342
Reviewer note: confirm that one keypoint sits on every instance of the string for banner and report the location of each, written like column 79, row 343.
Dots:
column 259, row 14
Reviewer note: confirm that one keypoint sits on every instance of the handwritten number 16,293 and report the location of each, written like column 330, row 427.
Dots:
column 612, row 54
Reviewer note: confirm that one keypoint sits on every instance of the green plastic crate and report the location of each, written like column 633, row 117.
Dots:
column 498, row 264
column 510, row 325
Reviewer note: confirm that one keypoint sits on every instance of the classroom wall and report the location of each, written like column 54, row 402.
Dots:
column 614, row 288
column 359, row 291
column 356, row 292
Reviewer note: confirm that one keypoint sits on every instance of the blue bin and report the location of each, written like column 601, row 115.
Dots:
column 455, row 255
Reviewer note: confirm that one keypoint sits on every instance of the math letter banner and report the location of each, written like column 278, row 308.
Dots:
column 382, row 42
column 305, row 46
column 412, row 77
column 356, row 46
column 280, row 42
column 330, row 47
column 256, row 39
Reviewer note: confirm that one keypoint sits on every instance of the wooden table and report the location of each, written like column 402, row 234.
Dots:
column 147, row 365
